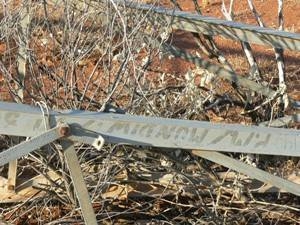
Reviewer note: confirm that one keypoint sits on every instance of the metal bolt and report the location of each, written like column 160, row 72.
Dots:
column 64, row 130
column 10, row 187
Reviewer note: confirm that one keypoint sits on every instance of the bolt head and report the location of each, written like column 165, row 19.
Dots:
column 10, row 187
column 64, row 131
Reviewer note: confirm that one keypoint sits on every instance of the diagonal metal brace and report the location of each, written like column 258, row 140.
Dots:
column 249, row 170
column 17, row 151
column 78, row 182
column 61, row 130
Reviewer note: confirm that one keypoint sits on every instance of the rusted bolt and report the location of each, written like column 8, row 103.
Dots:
column 10, row 187
column 64, row 130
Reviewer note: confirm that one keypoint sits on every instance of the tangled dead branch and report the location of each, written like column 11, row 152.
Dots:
column 94, row 54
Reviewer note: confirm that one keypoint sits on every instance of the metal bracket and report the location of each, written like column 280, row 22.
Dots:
column 96, row 142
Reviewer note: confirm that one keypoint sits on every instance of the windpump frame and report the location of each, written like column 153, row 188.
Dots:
column 203, row 139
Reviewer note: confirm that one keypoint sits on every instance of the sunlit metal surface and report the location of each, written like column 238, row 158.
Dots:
column 151, row 131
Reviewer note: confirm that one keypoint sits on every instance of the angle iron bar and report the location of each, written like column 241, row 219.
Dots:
column 260, row 34
column 212, row 26
column 78, row 182
column 249, row 170
column 156, row 132
column 21, row 71
column 222, row 72
column 218, row 70
column 282, row 121
column 192, row 22
column 30, row 145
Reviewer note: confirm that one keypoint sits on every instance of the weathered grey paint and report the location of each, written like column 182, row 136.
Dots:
column 30, row 145
column 213, row 26
column 22, row 120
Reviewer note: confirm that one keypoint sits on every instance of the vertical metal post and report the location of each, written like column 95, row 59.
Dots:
column 78, row 182
column 21, row 70
column 22, row 54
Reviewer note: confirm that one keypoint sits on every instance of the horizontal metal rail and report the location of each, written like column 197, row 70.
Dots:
column 212, row 26
column 203, row 24
column 23, row 120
